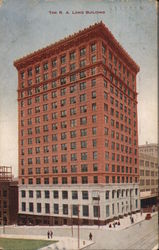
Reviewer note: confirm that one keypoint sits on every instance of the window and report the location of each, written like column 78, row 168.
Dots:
column 65, row 209
column 63, row 92
column 72, row 100
column 95, row 179
column 63, row 70
column 95, row 155
column 63, row 59
column 54, row 126
column 45, row 107
column 64, row 180
column 63, row 113
column 23, row 193
column 84, row 156
column 73, row 123
column 84, row 168
column 54, row 94
column 47, row 194
column 63, row 136
column 83, row 109
column 83, row 120
column 64, row 195
column 107, row 211
column 83, row 132
column 96, row 211
column 74, row 195
column 82, row 74
column 83, row 97
column 72, row 67
column 55, row 194
column 73, row 168
column 93, row 94
column 54, row 62
column 72, row 111
column 85, row 209
column 63, row 102
column 46, row 180
column 55, row 180
column 73, row 145
column 30, row 194
column 23, row 206
column 106, row 179
column 107, row 195
column 82, row 63
column 93, row 47
column 30, row 72
column 73, row 78
column 63, row 158
column 54, row 169
column 93, row 59
column 94, row 107
column 31, row 207
column 56, row 208
column 74, row 157
column 85, row 195
column 73, row 88
column 82, row 51
column 83, row 144
column 73, row 134
column 72, row 55
column 84, row 180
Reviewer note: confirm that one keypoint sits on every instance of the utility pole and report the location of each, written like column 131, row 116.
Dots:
column 71, row 222
column 98, row 211
column 78, row 229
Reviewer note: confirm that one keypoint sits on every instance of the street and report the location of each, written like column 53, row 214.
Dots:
column 139, row 236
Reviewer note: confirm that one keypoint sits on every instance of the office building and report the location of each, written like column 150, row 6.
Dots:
column 78, row 138
column 148, row 166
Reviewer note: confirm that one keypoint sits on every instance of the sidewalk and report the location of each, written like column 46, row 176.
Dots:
column 126, row 222
column 64, row 243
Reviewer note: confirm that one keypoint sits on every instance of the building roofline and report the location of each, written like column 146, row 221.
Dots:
column 149, row 144
column 100, row 26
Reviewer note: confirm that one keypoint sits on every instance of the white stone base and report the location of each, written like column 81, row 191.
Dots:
column 123, row 204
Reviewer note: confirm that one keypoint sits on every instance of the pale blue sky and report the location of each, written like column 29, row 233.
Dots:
column 26, row 25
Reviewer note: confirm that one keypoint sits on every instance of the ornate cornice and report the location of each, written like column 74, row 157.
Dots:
column 98, row 30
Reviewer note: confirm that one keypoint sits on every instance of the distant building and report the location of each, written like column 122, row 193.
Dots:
column 8, row 197
column 148, row 164
column 149, row 149
column 78, row 136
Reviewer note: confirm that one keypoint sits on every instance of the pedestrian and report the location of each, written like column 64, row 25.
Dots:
column 48, row 235
column 118, row 223
column 90, row 236
column 51, row 233
column 110, row 225
column 141, row 212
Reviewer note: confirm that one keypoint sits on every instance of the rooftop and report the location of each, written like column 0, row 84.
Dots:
column 5, row 173
column 96, row 27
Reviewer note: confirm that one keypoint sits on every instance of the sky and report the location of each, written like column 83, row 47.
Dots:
column 27, row 25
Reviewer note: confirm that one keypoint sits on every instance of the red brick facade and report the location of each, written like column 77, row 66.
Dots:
column 77, row 112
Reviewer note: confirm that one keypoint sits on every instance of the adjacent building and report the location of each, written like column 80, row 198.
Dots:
column 78, row 137
column 148, row 164
column 8, row 197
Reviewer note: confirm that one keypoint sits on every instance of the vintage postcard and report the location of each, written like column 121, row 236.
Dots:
column 78, row 124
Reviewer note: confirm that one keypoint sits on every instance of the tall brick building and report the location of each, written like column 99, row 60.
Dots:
column 78, row 138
